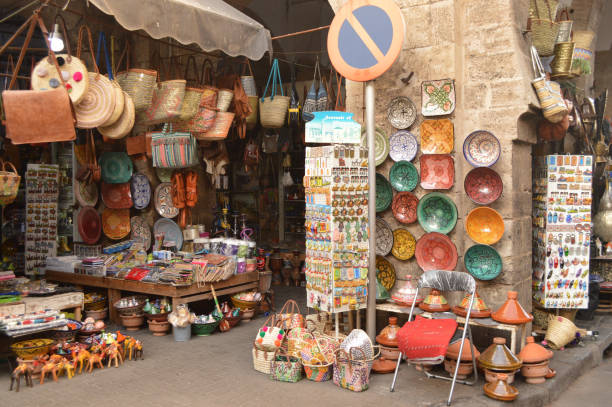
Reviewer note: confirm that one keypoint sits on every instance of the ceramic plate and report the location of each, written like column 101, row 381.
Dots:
column 164, row 174
column 116, row 196
column 171, row 231
column 403, row 176
column 384, row 237
column 140, row 231
column 438, row 97
column 385, row 272
column 437, row 171
column 483, row 185
column 86, row 194
column 384, row 193
column 141, row 190
column 401, row 112
column 163, row 201
column 435, row 251
column 403, row 146
column 481, row 149
column 90, row 225
column 437, row 136
column 404, row 207
column 484, row 225
column 116, row 167
column 437, row 213
column 116, row 223
column 483, row 262
column 381, row 144
column 403, row 244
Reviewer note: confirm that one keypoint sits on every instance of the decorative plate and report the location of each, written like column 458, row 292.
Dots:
column 116, row 167
column 384, row 237
column 401, row 112
column 116, row 223
column 404, row 207
column 483, row 262
column 141, row 190
column 481, row 148
column 117, row 196
column 437, row 213
column 484, row 225
column 163, row 201
column 381, row 144
column 403, row 244
column 438, row 97
column 164, row 174
column 403, row 146
column 437, row 136
column 384, row 194
column 90, row 225
column 404, row 176
column 483, row 185
column 435, row 251
column 171, row 231
column 86, row 194
column 140, row 231
column 437, row 171
column 385, row 272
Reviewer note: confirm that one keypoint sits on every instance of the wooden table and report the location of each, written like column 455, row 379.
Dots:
column 179, row 295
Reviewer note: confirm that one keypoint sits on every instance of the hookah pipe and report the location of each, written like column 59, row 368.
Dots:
column 246, row 232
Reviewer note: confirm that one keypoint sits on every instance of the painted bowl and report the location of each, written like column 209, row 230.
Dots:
column 385, row 272
column 481, row 148
column 384, row 193
column 483, row 262
column 484, row 225
column 404, row 207
column 116, row 167
column 384, row 237
column 483, row 185
column 403, row 176
column 403, row 146
column 437, row 213
column 381, row 144
column 403, row 244
column 32, row 348
column 90, row 225
column 435, row 251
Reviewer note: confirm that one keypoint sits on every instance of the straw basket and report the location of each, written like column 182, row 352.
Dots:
column 220, row 128
column 317, row 371
column 560, row 332
column 319, row 322
column 544, row 35
column 98, row 105
column 262, row 360
column 583, row 38
column 298, row 338
column 243, row 305
column 272, row 111
column 251, row 120
column 248, row 84
column 581, row 64
column 119, row 104
column 124, row 124
column 224, row 99
column 191, row 103
column 562, row 63
column 139, row 84
column 9, row 183
column 565, row 31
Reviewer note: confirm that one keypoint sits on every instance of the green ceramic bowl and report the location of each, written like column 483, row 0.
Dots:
column 437, row 213
column 384, row 193
column 204, row 329
column 116, row 167
column 483, row 262
column 404, row 176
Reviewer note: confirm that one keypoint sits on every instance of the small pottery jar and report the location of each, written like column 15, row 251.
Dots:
column 535, row 362
column 500, row 389
column 535, row 373
column 159, row 328
column 452, row 355
column 389, row 353
column 132, row 322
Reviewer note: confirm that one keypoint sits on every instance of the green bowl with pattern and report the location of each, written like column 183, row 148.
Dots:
column 384, row 193
column 403, row 176
column 437, row 213
column 483, row 262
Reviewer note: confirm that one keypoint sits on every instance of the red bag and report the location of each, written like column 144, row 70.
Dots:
column 426, row 339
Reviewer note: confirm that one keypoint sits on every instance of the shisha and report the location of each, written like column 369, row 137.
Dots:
column 246, row 232
column 235, row 215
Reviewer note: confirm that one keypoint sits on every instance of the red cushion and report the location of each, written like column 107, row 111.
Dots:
column 426, row 338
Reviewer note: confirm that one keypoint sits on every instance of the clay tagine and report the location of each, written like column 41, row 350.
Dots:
column 383, row 365
column 479, row 308
column 500, row 389
column 452, row 355
column 535, row 362
column 511, row 311
column 435, row 302
column 498, row 358
column 404, row 295
column 388, row 335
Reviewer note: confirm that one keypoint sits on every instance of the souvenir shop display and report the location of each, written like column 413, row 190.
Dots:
column 562, row 198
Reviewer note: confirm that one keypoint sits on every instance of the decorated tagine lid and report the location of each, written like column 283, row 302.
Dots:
column 499, row 357
column 500, row 389
column 405, row 294
column 452, row 352
column 435, row 302
column 479, row 308
column 511, row 312
column 388, row 335
column 534, row 353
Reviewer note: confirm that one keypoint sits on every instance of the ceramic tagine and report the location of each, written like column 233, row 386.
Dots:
column 511, row 311
column 535, row 362
column 387, row 338
column 479, row 308
column 497, row 358
column 452, row 355
column 404, row 295
column 499, row 389
column 435, row 302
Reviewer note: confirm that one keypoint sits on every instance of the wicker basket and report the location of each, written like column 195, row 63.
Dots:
column 220, row 128
column 139, row 84
column 262, row 360
column 9, row 183
column 251, row 120
column 243, row 305
column 562, row 63
column 318, row 372
column 297, row 338
column 560, row 332
column 583, row 38
column 544, row 35
column 224, row 99
column 191, row 103
column 272, row 111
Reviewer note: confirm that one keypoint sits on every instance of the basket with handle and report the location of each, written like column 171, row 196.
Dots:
column 262, row 359
column 297, row 339
column 248, row 80
column 552, row 103
column 167, row 99
column 561, row 65
column 193, row 94
column 209, row 96
column 349, row 373
column 220, row 127
column 565, row 27
column 9, row 182
column 318, row 371
column 272, row 109
column 544, row 30
column 138, row 83
column 560, row 332
column 291, row 316
column 285, row 368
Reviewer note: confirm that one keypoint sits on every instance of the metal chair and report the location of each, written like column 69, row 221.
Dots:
column 447, row 281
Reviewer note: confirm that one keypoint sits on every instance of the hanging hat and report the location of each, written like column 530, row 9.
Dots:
column 86, row 194
column 90, row 226
column 479, row 308
column 117, row 196
column 116, row 167
column 116, row 223
column 511, row 311
column 435, row 302
column 125, row 122
column 73, row 71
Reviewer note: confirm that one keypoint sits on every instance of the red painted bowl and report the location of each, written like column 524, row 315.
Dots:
column 483, row 185
column 90, row 225
column 435, row 251
column 117, row 196
column 404, row 207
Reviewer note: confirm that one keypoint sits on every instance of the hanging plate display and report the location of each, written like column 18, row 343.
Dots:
column 86, row 194
column 438, row 97
column 141, row 190
column 437, row 171
column 116, row 196
column 171, row 231
column 404, row 207
column 484, row 225
column 401, row 112
column 437, row 136
column 90, row 226
column 437, row 213
column 116, row 223
column 163, row 201
column 403, row 244
column 403, row 146
column 140, row 231
column 384, row 194
column 116, row 167
column 384, row 237
column 483, row 185
column 385, row 272
column 73, row 71
column 483, row 262
column 481, row 149
column 403, row 176
column 381, row 144
column 435, row 251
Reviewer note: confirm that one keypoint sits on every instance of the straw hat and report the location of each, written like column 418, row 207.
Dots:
column 74, row 72
column 124, row 124
column 98, row 105
column 119, row 104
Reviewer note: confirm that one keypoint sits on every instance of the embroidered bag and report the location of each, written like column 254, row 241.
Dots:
column 173, row 149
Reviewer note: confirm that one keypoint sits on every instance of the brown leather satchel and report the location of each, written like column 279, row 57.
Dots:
column 37, row 116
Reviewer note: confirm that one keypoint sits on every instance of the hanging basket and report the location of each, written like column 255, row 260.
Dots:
column 220, row 128
column 9, row 183
column 251, row 120
column 544, row 36
column 583, row 38
column 562, row 63
column 224, row 99
column 273, row 109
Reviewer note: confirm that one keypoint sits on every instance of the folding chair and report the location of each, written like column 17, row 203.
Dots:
column 447, row 281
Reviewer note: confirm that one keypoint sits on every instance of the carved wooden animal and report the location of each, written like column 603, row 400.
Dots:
column 66, row 366
column 138, row 352
column 95, row 359
column 129, row 347
column 82, row 356
column 21, row 370
column 49, row 367
column 113, row 355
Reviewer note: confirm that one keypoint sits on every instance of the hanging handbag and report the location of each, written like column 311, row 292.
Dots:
column 204, row 119
column 544, row 28
column 167, row 99
column 270, row 336
column 136, row 82
column 295, row 110
column 311, row 101
column 173, row 149
column 209, row 97
column 349, row 373
column 248, row 81
column 285, row 368
column 193, row 94
column 272, row 109
column 91, row 171
column 52, row 108
column 322, row 95
column 290, row 316
column 552, row 103
column 9, row 182
column 340, row 105
column 565, row 27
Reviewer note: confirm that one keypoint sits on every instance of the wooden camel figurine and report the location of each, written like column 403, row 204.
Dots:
column 138, row 352
column 21, row 370
column 114, row 354
column 50, row 367
column 95, row 359
column 80, row 358
column 128, row 348
column 66, row 366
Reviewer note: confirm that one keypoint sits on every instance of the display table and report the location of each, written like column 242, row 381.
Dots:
column 62, row 301
column 179, row 295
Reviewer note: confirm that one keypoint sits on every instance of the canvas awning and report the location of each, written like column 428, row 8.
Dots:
column 211, row 24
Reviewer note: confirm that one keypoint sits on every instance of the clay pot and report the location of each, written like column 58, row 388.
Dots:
column 383, row 365
column 465, row 368
column 159, row 328
column 435, row 302
column 479, row 308
column 97, row 314
column 389, row 353
column 535, row 373
column 534, row 353
column 500, row 389
column 388, row 335
column 491, row 375
column 405, row 295
column 498, row 357
column 511, row 311
column 248, row 314
column 452, row 352
column 132, row 322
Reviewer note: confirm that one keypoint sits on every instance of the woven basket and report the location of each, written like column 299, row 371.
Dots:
column 319, row 322
column 581, row 64
column 297, row 338
column 200, row 123
column 139, row 84
column 583, row 38
column 119, row 104
column 560, row 332
column 318, row 372
column 251, row 120
column 224, row 99
column 166, row 103
column 544, row 35
column 220, row 128
column 272, row 112
column 562, row 63
column 248, row 84
column 98, row 105
column 565, row 31
column 243, row 305
column 191, row 103
column 123, row 126
column 9, row 183
column 262, row 360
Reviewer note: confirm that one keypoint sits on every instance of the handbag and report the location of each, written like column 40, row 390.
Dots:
column 290, row 316
column 173, row 149
column 270, row 336
column 167, row 100
column 552, row 103
column 209, row 96
column 52, row 108
column 262, row 360
column 352, row 374
column 273, row 109
column 193, row 95
column 248, row 81
column 295, row 110
column 91, row 171
column 137, row 83
column 544, row 30
column 311, row 103
column 136, row 144
column 285, row 368
column 9, row 182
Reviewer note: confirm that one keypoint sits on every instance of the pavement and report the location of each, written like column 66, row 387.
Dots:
column 217, row 371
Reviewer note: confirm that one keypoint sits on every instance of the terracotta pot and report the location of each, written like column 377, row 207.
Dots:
column 511, row 311
column 500, row 389
column 498, row 357
column 479, row 308
column 97, row 314
column 534, row 353
column 535, row 373
column 452, row 352
column 465, row 368
column 383, row 365
column 491, row 375
column 248, row 314
column 389, row 353
column 388, row 335
column 159, row 328
column 132, row 322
